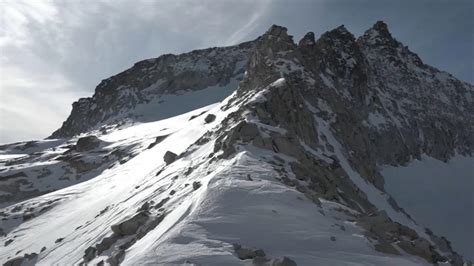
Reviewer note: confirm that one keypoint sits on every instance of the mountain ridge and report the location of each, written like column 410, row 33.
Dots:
column 296, row 147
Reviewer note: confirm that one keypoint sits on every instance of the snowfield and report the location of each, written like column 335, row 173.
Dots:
column 239, row 201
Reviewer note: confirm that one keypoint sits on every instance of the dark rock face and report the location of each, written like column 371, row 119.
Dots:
column 372, row 97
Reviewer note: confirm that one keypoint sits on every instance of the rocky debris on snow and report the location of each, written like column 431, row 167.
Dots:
column 157, row 141
column 87, row 143
column 243, row 131
column 130, row 226
column 194, row 116
column 209, row 118
column 116, row 258
column 90, row 254
column 259, row 257
column 169, row 157
column 247, row 253
column 106, row 243
column 380, row 227
column 124, row 235
column 56, row 164
column 196, row 185
column 8, row 242
column 27, row 259
column 445, row 247
column 422, row 248
column 82, row 166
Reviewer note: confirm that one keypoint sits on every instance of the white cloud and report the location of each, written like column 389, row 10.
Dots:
column 53, row 52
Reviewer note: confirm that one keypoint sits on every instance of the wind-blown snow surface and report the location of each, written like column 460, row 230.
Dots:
column 438, row 195
column 239, row 200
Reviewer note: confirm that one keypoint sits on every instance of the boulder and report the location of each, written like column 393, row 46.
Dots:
column 209, row 118
column 87, row 143
column 169, row 157
column 130, row 226
column 196, row 185
column 247, row 253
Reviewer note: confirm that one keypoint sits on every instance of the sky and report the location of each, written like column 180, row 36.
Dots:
column 54, row 52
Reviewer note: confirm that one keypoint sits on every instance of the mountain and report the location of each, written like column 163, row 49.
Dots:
column 149, row 90
column 264, row 153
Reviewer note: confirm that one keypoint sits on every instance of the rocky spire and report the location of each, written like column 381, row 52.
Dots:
column 338, row 33
column 272, row 50
column 378, row 34
column 378, row 38
column 307, row 40
column 279, row 32
column 276, row 38
column 338, row 51
column 382, row 28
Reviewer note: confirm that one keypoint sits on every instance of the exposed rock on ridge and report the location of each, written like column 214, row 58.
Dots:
column 147, row 81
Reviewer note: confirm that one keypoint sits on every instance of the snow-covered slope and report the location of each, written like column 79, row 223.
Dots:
column 284, row 171
column 195, row 209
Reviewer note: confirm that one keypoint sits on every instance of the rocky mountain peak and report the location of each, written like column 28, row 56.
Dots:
column 276, row 31
column 310, row 125
column 307, row 40
column 276, row 38
column 378, row 35
column 337, row 35
column 337, row 52
column 381, row 27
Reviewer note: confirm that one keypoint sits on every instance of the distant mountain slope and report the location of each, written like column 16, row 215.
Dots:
column 159, row 88
column 284, row 171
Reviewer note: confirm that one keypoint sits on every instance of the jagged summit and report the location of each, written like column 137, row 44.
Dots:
column 277, row 31
column 307, row 40
column 151, row 81
column 265, row 153
column 382, row 28
column 378, row 35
